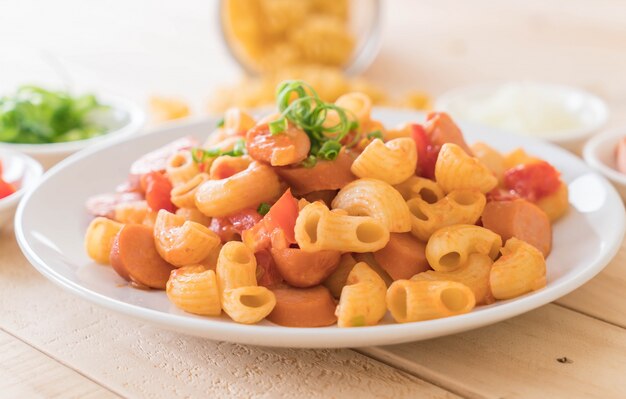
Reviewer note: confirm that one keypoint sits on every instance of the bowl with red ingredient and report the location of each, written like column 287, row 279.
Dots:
column 606, row 153
column 18, row 172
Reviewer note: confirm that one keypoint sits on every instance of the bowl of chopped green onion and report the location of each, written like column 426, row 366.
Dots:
column 50, row 125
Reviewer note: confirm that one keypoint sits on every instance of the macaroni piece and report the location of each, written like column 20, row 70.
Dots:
column 474, row 274
column 425, row 300
column 456, row 170
column 237, row 122
column 392, row 162
column 317, row 229
column 231, row 165
column 362, row 300
column 194, row 215
column 248, row 305
column 449, row 248
column 181, row 242
column 236, row 266
column 555, row 205
column 184, row 195
column 99, row 238
column 181, row 168
column 490, row 158
column 194, row 290
column 375, row 198
column 420, row 187
column 520, row 270
column 132, row 212
column 458, row 207
column 358, row 105
column 242, row 299
column 258, row 183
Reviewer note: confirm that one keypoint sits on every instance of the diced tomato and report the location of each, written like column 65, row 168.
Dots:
column 266, row 272
column 244, row 219
column 532, row 181
column 277, row 228
column 283, row 215
column 224, row 229
column 427, row 152
column 158, row 189
column 6, row 189
column 286, row 148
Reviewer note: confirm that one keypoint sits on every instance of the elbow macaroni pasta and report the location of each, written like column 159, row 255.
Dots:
column 99, row 238
column 237, row 122
column 181, row 242
column 358, row 105
column 458, row 207
column 425, row 300
column 420, row 187
column 181, row 168
column 242, row 299
column 449, row 248
column 184, row 195
column 392, row 162
column 256, row 184
column 455, row 170
column 232, row 164
column 194, row 290
column 520, row 269
column 317, row 229
column 474, row 274
column 362, row 300
column 490, row 158
column 375, row 198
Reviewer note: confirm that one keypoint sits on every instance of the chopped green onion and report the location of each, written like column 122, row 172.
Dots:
column 310, row 161
column 199, row 155
column 238, row 150
column 278, row 126
column 376, row 134
column 220, row 122
column 329, row 150
column 263, row 208
column 354, row 125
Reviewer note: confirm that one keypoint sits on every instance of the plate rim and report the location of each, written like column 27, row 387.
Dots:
column 279, row 336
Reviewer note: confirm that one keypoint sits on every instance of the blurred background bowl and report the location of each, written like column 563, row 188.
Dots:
column 564, row 115
column 122, row 119
column 22, row 170
column 600, row 154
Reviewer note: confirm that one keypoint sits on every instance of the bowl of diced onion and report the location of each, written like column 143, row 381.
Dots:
column 51, row 125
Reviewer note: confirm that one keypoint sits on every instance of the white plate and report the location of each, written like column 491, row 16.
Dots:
column 51, row 221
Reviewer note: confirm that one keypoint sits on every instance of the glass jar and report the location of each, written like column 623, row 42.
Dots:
column 267, row 35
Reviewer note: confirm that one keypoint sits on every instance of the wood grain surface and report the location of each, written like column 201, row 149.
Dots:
column 55, row 345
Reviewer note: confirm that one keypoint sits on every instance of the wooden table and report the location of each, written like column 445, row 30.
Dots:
column 56, row 345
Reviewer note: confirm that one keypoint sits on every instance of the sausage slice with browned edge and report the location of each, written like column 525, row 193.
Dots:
column 303, row 307
column 135, row 258
column 305, row 269
column 403, row 256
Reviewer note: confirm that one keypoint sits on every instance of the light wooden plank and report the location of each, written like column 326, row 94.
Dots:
column 139, row 360
column 519, row 358
column 27, row 373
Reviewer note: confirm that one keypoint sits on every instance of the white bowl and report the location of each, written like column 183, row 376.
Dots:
column 124, row 119
column 590, row 111
column 17, row 168
column 599, row 153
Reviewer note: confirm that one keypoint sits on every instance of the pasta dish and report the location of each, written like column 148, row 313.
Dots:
column 319, row 214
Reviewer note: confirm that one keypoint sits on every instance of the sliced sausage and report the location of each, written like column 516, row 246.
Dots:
column 305, row 269
column 403, row 257
column 325, row 175
column 441, row 129
column 134, row 257
column 156, row 160
column 104, row 204
column 303, row 307
column 521, row 219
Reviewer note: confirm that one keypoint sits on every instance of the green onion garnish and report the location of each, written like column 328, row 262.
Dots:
column 220, row 122
column 310, row 161
column 263, row 208
column 376, row 134
column 278, row 126
column 329, row 150
column 199, row 155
